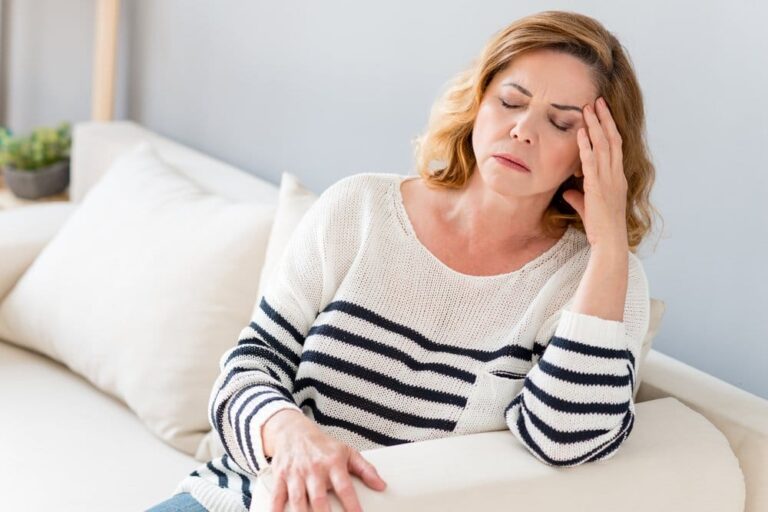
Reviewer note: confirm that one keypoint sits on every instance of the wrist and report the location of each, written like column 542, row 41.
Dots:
column 276, row 425
column 615, row 246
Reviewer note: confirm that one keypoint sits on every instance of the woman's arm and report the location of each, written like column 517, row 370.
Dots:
column 576, row 405
column 257, row 375
column 603, row 287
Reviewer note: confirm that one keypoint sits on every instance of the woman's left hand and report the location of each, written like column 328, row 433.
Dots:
column 603, row 205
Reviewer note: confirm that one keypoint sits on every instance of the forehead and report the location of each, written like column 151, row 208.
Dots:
column 548, row 74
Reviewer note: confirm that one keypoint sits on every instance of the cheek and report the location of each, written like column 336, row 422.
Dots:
column 564, row 150
column 485, row 128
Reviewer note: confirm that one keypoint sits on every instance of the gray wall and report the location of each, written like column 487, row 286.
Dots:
column 327, row 89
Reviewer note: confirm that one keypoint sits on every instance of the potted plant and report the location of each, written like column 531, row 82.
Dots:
column 36, row 165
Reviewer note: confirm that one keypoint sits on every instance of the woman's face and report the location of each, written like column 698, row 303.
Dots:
column 529, row 127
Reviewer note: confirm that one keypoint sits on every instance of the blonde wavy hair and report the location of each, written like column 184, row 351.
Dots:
column 447, row 140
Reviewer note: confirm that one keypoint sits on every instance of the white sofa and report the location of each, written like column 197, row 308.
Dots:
column 698, row 443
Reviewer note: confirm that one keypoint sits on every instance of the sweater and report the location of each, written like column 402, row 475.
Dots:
column 368, row 333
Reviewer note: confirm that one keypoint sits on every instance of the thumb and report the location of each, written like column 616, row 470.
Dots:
column 366, row 471
column 576, row 200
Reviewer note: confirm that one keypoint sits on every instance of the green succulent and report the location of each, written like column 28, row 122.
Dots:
column 44, row 146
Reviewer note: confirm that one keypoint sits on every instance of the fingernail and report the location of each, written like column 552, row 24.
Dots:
column 602, row 101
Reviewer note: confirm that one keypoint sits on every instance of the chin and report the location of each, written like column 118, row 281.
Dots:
column 499, row 179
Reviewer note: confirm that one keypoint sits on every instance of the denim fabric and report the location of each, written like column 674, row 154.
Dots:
column 182, row 502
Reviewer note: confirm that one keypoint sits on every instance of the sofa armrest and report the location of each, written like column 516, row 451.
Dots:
column 24, row 232
column 491, row 471
column 741, row 416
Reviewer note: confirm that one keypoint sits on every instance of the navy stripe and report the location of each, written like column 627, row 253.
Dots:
column 538, row 351
column 238, row 433
column 255, row 340
column 282, row 322
column 615, row 443
column 220, row 474
column 588, row 350
column 194, row 473
column 234, row 371
column 557, row 435
column 276, row 344
column 586, row 379
column 515, row 351
column 369, row 434
column 577, row 460
column 508, row 375
column 390, row 352
column 575, row 407
column 250, row 416
column 260, row 352
column 274, row 374
column 277, row 385
column 380, row 379
column 220, row 414
column 245, row 485
column 373, row 407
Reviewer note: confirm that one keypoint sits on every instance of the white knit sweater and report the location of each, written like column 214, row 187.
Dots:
column 373, row 337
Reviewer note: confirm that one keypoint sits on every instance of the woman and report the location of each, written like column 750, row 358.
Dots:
column 412, row 308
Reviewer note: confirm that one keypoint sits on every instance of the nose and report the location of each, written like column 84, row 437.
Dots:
column 521, row 131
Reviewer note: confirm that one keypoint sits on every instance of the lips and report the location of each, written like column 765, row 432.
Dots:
column 511, row 161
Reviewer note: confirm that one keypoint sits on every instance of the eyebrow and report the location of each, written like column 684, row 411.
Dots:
column 527, row 93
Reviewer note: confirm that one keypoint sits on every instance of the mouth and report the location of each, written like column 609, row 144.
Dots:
column 511, row 162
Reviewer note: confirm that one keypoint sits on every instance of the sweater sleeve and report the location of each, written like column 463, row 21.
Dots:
column 257, row 375
column 576, row 405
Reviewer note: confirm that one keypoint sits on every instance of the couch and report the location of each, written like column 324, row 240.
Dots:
column 67, row 444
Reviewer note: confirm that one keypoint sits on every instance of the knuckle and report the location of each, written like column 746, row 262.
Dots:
column 345, row 488
column 319, row 500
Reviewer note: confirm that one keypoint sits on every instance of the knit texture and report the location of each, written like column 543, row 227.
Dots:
column 368, row 333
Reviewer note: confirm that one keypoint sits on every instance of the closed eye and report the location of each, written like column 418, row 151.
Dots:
column 561, row 128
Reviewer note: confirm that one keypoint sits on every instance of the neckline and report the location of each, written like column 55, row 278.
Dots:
column 405, row 222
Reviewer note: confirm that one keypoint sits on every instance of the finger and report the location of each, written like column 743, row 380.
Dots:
column 317, row 489
column 600, row 145
column 297, row 495
column 342, row 485
column 613, row 135
column 576, row 199
column 366, row 471
column 279, row 495
column 586, row 154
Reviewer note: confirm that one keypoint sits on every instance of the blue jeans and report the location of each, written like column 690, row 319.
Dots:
column 182, row 502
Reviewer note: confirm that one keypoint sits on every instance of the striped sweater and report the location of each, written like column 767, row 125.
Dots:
column 368, row 333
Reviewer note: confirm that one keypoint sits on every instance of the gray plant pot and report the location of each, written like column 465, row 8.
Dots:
column 45, row 181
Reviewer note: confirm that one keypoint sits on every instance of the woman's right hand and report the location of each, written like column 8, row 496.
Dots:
column 307, row 463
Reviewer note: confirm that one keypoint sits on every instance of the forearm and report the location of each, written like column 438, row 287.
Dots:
column 603, row 288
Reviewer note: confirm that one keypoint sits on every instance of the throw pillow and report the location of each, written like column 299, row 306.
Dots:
column 142, row 290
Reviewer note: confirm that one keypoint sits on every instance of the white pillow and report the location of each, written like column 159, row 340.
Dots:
column 143, row 289
column 293, row 202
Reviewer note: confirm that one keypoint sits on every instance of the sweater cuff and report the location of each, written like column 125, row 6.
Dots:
column 257, row 424
column 591, row 330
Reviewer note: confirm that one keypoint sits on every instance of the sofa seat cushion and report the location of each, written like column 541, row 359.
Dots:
column 69, row 447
